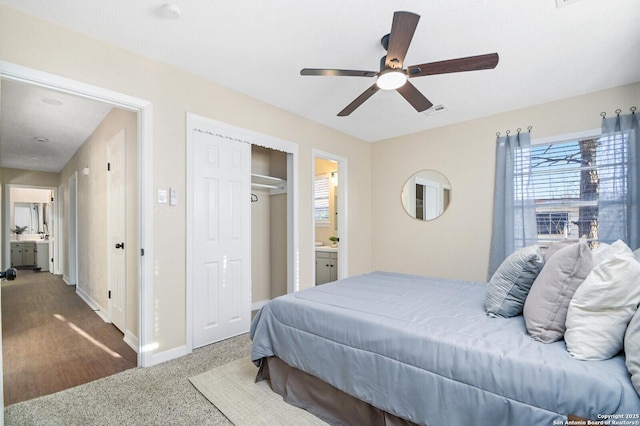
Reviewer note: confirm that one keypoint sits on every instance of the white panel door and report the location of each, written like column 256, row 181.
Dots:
column 222, row 238
column 116, row 230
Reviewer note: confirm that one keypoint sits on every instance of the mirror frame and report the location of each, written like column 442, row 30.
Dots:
column 440, row 188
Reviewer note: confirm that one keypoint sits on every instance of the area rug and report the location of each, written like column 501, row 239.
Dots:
column 232, row 389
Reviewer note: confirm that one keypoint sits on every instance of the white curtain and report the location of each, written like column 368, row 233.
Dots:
column 514, row 216
column 619, row 201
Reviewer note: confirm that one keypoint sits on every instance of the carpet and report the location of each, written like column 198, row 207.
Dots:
column 232, row 389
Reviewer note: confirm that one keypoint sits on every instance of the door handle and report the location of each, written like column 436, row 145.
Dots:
column 120, row 245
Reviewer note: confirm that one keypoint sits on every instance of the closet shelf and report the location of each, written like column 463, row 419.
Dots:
column 275, row 185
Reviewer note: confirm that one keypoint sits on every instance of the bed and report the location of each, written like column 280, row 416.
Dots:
column 423, row 351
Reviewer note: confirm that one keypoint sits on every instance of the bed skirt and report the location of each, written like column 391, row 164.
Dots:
column 320, row 398
column 328, row 403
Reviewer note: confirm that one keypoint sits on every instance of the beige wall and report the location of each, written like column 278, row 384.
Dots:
column 268, row 228
column 92, row 213
column 41, row 45
column 456, row 245
column 28, row 177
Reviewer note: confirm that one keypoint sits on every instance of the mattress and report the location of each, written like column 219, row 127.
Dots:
column 423, row 349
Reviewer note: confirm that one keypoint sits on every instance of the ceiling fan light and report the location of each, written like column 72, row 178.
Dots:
column 391, row 79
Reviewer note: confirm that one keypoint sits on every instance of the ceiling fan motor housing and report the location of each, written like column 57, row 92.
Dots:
column 384, row 41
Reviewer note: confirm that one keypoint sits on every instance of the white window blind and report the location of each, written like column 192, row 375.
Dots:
column 321, row 200
column 575, row 184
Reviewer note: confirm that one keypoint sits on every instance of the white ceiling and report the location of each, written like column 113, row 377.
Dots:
column 41, row 129
column 258, row 48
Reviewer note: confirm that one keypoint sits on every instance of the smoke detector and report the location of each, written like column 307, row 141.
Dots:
column 171, row 11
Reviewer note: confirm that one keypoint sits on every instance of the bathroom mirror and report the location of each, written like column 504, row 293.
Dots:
column 35, row 216
column 426, row 195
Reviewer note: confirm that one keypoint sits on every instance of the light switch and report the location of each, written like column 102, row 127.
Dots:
column 173, row 197
column 162, row 196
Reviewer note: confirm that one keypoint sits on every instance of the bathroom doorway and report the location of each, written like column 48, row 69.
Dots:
column 329, row 217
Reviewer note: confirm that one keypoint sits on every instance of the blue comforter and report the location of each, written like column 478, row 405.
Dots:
column 423, row 349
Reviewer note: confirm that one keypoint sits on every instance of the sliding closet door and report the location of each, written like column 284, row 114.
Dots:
column 222, row 238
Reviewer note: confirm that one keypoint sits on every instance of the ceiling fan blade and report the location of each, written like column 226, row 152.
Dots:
column 470, row 63
column 359, row 100
column 402, row 30
column 414, row 97
column 342, row 73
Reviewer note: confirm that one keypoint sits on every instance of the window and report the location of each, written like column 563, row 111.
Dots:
column 552, row 223
column 579, row 188
column 321, row 200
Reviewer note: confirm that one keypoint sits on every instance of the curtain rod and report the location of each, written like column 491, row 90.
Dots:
column 517, row 130
column 618, row 111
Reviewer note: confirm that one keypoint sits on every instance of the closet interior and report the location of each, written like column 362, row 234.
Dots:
column 268, row 224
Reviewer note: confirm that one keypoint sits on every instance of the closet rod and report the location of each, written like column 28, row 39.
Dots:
column 275, row 179
column 264, row 185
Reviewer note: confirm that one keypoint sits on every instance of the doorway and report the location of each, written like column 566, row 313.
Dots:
column 72, row 274
column 142, row 108
column 329, row 217
column 205, row 196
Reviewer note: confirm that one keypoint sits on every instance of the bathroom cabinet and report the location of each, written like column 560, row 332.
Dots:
column 326, row 266
column 23, row 253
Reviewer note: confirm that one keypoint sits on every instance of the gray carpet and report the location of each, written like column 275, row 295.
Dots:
column 159, row 395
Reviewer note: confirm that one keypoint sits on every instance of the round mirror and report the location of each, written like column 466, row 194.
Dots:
column 426, row 195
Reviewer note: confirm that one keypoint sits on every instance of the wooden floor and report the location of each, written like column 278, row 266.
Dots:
column 52, row 340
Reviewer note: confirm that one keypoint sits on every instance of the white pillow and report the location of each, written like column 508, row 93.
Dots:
column 602, row 252
column 632, row 350
column 603, row 305
column 637, row 254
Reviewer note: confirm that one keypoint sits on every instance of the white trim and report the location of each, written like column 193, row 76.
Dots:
column 168, row 355
column 6, row 218
column 131, row 340
column 194, row 121
column 585, row 134
column 343, row 213
column 95, row 306
column 72, row 224
column 145, row 181
column 59, row 255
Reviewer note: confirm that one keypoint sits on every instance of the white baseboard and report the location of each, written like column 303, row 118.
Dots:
column 131, row 340
column 66, row 280
column 257, row 305
column 99, row 310
column 165, row 356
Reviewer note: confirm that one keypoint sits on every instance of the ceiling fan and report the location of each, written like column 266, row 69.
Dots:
column 392, row 75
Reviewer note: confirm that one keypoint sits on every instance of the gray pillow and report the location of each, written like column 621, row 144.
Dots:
column 632, row 350
column 510, row 284
column 545, row 310
column 553, row 248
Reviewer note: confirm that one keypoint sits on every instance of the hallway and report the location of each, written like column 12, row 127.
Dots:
column 52, row 340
